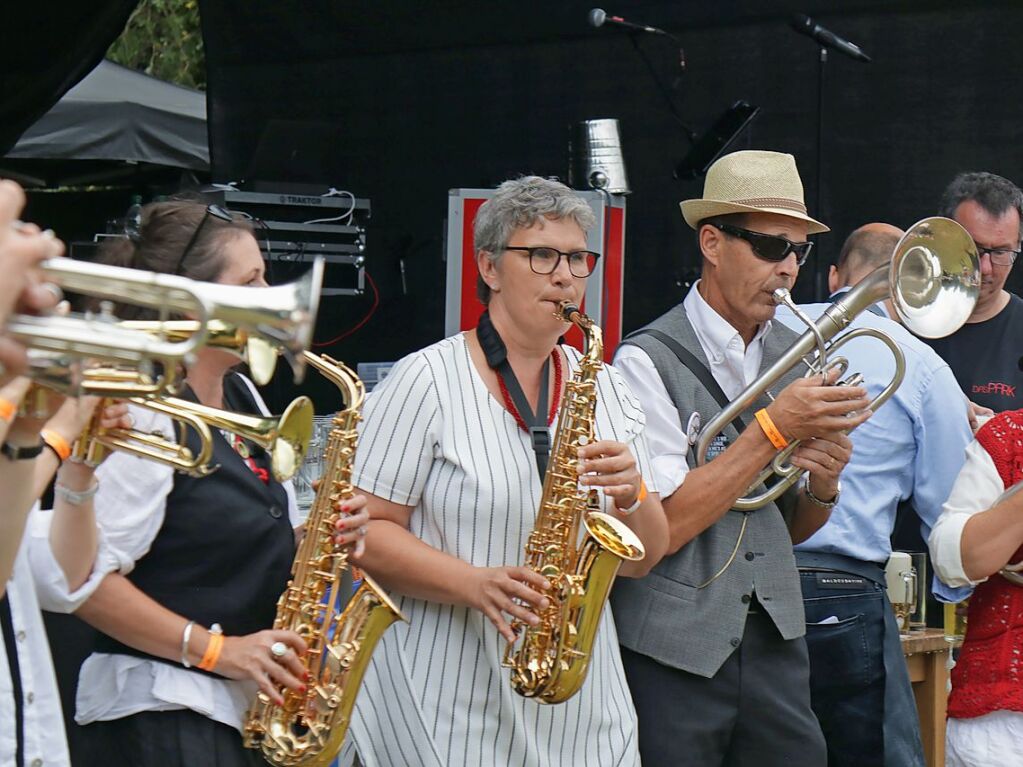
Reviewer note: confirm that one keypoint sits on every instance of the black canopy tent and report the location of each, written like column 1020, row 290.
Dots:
column 115, row 123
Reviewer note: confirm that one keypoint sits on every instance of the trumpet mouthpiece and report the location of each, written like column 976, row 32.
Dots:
column 781, row 296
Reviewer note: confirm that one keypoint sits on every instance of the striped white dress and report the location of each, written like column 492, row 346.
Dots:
column 435, row 693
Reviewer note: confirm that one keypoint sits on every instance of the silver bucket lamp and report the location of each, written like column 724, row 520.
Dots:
column 595, row 157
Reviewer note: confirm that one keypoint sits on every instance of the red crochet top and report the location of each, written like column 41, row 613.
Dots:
column 989, row 674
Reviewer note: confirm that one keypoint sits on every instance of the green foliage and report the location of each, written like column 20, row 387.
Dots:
column 163, row 39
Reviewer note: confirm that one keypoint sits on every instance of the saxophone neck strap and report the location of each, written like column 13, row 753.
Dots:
column 535, row 424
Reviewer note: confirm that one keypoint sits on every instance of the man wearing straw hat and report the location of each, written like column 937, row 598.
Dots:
column 713, row 638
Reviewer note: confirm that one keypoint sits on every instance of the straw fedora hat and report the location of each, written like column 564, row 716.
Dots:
column 752, row 181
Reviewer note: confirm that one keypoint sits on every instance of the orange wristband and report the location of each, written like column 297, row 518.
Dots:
column 7, row 410
column 642, row 490
column 770, row 430
column 57, row 443
column 212, row 654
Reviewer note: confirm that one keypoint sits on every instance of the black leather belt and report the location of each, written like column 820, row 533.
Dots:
column 810, row 561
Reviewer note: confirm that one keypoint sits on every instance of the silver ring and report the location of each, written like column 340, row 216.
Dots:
column 278, row 649
column 362, row 531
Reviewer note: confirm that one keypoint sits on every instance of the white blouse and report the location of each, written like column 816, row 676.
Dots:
column 435, row 692
column 733, row 365
column 975, row 490
column 37, row 581
column 130, row 507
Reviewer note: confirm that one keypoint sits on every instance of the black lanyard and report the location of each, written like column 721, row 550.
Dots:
column 535, row 423
column 7, row 629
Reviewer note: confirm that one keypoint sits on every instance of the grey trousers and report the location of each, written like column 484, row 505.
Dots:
column 755, row 712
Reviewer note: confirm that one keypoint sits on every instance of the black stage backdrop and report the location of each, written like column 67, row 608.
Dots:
column 46, row 48
column 402, row 101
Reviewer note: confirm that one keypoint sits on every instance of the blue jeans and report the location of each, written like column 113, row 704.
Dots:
column 859, row 686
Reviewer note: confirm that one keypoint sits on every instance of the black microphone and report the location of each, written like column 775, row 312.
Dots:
column 804, row 25
column 599, row 18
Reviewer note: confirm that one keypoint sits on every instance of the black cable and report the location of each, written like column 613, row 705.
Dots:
column 662, row 89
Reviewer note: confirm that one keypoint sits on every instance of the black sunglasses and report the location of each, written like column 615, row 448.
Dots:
column 211, row 210
column 770, row 247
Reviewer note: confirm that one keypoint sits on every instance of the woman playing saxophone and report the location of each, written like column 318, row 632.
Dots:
column 452, row 456
column 193, row 565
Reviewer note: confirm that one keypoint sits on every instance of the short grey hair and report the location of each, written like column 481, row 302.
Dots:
column 993, row 193
column 519, row 204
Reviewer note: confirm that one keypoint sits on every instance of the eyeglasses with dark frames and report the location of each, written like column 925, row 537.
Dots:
column 770, row 247
column 999, row 256
column 544, row 260
column 211, row 210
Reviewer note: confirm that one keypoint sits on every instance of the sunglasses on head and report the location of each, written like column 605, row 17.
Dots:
column 770, row 247
column 211, row 210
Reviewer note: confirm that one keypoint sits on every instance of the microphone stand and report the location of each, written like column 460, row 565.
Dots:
column 662, row 89
column 819, row 289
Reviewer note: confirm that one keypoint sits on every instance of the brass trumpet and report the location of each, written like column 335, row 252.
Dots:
column 284, row 315
column 258, row 353
column 933, row 280
column 285, row 437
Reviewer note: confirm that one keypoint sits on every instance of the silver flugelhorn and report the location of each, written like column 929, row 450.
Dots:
column 933, row 280
column 285, row 315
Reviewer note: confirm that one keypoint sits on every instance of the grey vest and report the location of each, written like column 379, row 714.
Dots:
column 664, row 615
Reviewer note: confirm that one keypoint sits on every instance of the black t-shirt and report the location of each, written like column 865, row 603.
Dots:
column 986, row 358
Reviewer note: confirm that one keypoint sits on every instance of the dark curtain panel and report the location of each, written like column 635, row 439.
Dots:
column 400, row 102
column 47, row 48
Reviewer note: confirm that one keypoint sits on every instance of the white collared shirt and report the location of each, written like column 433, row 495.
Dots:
column 976, row 489
column 733, row 365
column 37, row 580
column 130, row 507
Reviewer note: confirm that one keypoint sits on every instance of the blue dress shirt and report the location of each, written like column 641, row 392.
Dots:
column 912, row 447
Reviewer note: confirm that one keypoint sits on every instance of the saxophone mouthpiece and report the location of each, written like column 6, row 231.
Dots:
column 565, row 311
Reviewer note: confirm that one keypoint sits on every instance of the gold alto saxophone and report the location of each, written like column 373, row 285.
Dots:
column 549, row 661
column 310, row 727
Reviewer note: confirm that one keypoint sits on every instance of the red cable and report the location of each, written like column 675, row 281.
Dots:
column 360, row 323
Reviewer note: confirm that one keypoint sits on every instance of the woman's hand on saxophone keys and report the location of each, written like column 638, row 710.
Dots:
column 611, row 467
column 500, row 591
column 252, row 657
column 353, row 524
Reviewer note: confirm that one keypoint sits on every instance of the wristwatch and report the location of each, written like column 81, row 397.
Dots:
column 817, row 501
column 20, row 453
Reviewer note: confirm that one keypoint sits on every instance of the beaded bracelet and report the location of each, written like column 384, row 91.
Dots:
column 75, row 497
column 639, row 499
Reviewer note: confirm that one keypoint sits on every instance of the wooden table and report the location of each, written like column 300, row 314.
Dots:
column 927, row 659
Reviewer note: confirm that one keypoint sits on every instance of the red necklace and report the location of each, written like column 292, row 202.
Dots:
column 510, row 406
